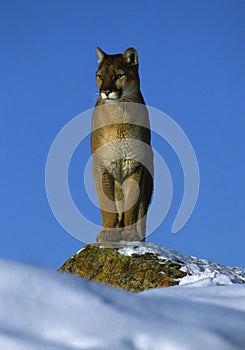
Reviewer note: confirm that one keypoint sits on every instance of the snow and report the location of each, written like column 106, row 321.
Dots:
column 42, row 309
column 198, row 270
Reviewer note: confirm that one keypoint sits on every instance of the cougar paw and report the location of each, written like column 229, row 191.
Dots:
column 131, row 235
column 112, row 235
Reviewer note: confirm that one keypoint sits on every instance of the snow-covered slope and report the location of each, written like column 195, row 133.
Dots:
column 42, row 309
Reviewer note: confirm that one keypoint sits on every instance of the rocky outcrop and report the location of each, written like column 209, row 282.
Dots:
column 108, row 264
column 137, row 266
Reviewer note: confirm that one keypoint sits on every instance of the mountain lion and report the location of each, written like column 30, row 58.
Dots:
column 120, row 144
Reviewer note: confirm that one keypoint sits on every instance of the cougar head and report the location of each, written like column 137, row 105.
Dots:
column 117, row 76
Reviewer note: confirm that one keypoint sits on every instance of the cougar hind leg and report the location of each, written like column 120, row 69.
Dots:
column 141, row 223
column 146, row 194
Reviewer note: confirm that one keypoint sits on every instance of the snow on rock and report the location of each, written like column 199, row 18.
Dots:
column 42, row 309
column 204, row 271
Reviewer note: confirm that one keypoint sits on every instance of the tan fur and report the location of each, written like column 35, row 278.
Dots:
column 118, row 167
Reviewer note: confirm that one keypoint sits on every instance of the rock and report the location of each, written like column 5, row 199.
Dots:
column 137, row 266
column 111, row 264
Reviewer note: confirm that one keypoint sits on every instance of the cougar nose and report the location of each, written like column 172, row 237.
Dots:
column 107, row 91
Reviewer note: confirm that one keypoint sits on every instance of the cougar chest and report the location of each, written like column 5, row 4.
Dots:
column 122, row 159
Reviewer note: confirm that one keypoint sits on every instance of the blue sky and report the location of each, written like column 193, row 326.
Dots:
column 191, row 57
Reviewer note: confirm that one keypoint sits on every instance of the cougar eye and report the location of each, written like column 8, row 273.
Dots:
column 118, row 76
column 100, row 77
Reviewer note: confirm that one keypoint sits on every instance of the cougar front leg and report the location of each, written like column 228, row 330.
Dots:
column 105, row 188
column 132, row 196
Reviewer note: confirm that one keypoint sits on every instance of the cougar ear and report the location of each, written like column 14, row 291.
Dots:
column 101, row 55
column 131, row 56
